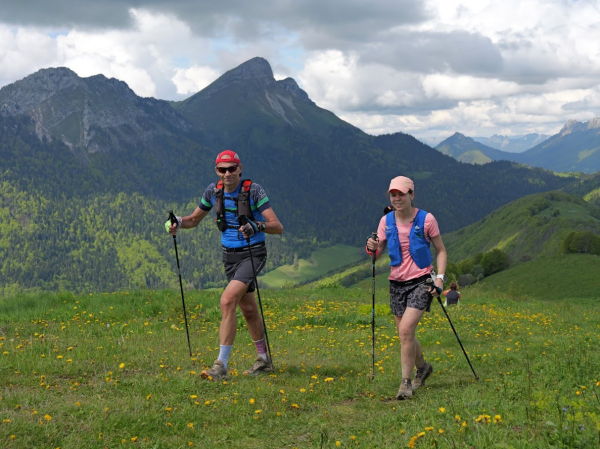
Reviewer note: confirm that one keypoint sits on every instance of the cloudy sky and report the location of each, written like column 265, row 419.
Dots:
column 424, row 67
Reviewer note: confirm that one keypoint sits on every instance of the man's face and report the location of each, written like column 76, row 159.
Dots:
column 229, row 172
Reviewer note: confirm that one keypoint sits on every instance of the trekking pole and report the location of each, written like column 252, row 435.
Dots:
column 174, row 222
column 242, row 220
column 439, row 292
column 373, row 258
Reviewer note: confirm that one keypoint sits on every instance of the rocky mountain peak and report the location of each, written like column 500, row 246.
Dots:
column 256, row 68
column 458, row 137
column 570, row 126
column 253, row 68
column 23, row 95
column 594, row 123
column 291, row 87
column 95, row 113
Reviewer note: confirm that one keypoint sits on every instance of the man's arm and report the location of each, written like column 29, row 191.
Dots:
column 272, row 223
column 191, row 221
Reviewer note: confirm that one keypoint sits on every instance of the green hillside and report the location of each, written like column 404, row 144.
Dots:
column 587, row 187
column 467, row 150
column 549, row 278
column 108, row 243
column 526, row 228
column 321, row 262
column 474, row 157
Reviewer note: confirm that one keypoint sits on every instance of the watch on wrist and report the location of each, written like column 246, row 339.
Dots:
column 262, row 226
column 442, row 277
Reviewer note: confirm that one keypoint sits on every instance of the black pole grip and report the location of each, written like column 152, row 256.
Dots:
column 374, row 253
column 172, row 217
column 437, row 289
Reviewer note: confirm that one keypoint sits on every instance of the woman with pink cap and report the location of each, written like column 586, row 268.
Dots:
column 407, row 232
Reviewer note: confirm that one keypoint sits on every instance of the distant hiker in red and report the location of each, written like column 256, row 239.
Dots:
column 244, row 255
column 407, row 232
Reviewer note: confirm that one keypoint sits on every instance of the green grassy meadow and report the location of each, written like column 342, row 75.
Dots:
column 322, row 261
column 113, row 370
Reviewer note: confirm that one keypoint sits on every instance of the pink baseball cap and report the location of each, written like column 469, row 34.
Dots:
column 401, row 183
column 228, row 156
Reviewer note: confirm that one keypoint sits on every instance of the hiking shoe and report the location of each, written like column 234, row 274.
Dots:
column 217, row 372
column 259, row 367
column 422, row 374
column 405, row 391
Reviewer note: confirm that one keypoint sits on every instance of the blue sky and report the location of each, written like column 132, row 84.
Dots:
column 426, row 68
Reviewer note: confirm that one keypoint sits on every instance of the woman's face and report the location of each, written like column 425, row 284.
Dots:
column 401, row 200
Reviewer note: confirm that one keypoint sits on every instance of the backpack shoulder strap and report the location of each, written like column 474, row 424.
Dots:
column 243, row 203
column 220, row 206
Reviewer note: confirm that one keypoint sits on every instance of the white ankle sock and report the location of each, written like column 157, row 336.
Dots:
column 224, row 352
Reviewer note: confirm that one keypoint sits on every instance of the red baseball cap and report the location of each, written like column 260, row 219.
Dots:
column 401, row 183
column 228, row 156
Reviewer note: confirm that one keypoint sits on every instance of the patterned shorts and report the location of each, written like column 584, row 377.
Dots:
column 413, row 293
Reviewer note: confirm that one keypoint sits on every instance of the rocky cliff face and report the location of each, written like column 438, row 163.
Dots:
column 291, row 87
column 573, row 126
column 95, row 114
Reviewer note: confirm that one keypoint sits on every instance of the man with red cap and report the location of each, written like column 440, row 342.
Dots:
column 233, row 197
column 407, row 232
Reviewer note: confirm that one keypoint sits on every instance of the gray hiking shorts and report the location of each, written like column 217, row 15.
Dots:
column 238, row 265
column 413, row 293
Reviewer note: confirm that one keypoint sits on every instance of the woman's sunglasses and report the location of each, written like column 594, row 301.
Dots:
column 224, row 170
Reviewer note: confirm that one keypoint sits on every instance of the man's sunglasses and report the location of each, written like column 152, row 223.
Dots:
column 224, row 170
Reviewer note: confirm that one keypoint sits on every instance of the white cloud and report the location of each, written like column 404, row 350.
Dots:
column 466, row 87
column 331, row 77
column 194, row 79
column 23, row 51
